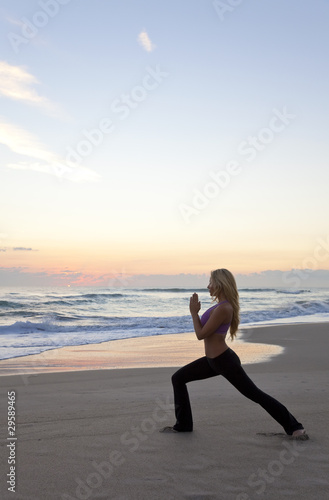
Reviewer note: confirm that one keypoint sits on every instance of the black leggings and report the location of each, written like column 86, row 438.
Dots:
column 227, row 364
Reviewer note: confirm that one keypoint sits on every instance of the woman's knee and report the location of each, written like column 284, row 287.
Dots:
column 174, row 378
column 178, row 378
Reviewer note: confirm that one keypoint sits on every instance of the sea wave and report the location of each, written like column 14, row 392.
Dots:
column 104, row 324
column 200, row 290
column 27, row 337
column 11, row 303
column 299, row 308
column 95, row 295
column 36, row 320
column 60, row 322
column 173, row 290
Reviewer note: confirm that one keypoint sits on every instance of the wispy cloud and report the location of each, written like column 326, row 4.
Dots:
column 76, row 173
column 18, row 249
column 145, row 41
column 24, row 143
column 18, row 84
column 24, row 249
column 15, row 22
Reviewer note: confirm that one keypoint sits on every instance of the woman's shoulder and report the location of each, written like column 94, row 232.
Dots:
column 224, row 307
column 225, row 304
column 221, row 306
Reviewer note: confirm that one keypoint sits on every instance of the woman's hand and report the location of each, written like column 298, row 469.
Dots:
column 195, row 305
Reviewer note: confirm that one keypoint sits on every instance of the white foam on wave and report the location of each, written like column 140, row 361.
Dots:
column 77, row 325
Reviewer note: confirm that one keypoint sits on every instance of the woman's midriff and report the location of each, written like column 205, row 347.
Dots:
column 214, row 345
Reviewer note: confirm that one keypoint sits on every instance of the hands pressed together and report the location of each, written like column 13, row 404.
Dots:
column 195, row 304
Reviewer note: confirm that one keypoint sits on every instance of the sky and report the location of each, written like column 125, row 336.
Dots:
column 150, row 142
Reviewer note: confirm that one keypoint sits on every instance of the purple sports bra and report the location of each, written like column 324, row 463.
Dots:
column 204, row 318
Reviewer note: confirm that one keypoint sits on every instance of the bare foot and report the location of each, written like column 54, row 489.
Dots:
column 300, row 434
column 167, row 429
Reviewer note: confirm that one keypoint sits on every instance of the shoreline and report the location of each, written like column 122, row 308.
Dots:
column 241, row 337
column 154, row 351
column 257, row 344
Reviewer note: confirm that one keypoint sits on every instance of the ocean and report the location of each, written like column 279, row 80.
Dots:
column 33, row 320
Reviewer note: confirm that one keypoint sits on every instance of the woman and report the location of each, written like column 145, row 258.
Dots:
column 220, row 359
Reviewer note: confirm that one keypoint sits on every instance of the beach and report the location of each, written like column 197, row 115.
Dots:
column 93, row 433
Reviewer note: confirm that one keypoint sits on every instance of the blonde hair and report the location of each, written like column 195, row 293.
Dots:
column 224, row 283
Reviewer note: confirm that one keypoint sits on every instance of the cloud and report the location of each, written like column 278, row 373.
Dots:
column 145, row 41
column 60, row 169
column 20, row 249
column 24, row 249
column 21, row 276
column 13, row 21
column 284, row 279
column 24, row 143
column 17, row 83
column 264, row 279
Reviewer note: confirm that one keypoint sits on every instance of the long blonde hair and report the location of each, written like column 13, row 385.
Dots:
column 224, row 283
